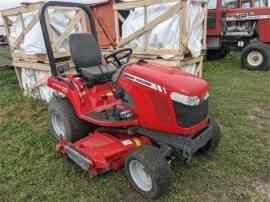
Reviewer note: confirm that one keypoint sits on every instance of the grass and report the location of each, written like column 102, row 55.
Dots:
column 239, row 170
column 4, row 57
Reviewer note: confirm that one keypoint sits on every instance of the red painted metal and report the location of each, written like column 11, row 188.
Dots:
column 88, row 100
column 107, row 151
column 150, row 102
column 264, row 29
column 153, row 107
column 263, row 24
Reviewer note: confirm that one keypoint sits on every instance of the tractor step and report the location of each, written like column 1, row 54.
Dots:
column 79, row 159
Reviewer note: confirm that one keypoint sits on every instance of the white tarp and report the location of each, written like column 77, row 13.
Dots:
column 33, row 40
column 34, row 43
column 166, row 34
column 29, row 78
column 2, row 30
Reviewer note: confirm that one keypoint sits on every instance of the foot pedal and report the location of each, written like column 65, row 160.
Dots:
column 79, row 159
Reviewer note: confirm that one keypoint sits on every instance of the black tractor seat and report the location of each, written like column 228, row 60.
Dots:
column 86, row 56
column 94, row 73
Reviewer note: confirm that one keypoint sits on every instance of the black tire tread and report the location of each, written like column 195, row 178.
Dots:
column 214, row 142
column 77, row 127
column 158, row 168
column 263, row 48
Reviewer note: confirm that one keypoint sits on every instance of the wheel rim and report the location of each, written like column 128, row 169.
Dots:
column 255, row 58
column 58, row 124
column 141, row 178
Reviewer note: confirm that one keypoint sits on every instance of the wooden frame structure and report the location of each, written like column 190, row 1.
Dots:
column 180, row 7
column 19, row 65
column 18, row 55
column 38, row 61
column 182, row 55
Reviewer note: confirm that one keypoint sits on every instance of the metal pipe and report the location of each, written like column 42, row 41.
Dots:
column 45, row 31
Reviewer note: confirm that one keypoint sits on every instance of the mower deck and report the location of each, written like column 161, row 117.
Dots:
column 100, row 152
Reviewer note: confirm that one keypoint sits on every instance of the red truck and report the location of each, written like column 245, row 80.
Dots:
column 240, row 25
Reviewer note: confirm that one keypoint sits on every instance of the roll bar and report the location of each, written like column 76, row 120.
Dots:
column 45, row 31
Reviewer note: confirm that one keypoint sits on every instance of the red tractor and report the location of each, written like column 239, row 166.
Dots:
column 140, row 115
column 240, row 25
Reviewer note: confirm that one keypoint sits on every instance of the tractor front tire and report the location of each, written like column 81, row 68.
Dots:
column 256, row 56
column 148, row 171
column 215, row 140
column 64, row 121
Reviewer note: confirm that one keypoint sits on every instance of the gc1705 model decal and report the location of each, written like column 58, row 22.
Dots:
column 246, row 16
column 145, row 82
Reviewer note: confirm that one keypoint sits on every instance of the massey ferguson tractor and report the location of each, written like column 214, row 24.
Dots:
column 113, row 113
column 240, row 25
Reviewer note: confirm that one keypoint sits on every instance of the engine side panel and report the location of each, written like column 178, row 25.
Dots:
column 264, row 30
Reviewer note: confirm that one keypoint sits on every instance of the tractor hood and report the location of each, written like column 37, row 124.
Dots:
column 166, row 79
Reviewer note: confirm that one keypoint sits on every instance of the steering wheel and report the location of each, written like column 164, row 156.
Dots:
column 117, row 56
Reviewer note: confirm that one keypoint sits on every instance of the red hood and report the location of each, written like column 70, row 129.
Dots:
column 169, row 79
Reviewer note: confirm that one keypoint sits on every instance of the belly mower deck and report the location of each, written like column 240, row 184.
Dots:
column 100, row 152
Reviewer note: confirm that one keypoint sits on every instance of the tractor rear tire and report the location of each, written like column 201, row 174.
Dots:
column 215, row 140
column 256, row 56
column 148, row 171
column 64, row 121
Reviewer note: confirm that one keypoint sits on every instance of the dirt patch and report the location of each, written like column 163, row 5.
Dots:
column 129, row 194
column 263, row 189
column 259, row 116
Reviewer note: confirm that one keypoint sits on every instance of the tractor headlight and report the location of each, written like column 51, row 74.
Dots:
column 186, row 100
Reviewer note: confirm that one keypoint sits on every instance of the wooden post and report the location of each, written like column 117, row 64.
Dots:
column 35, row 78
column 183, row 28
column 18, row 75
column 48, row 24
column 146, row 33
column 205, row 28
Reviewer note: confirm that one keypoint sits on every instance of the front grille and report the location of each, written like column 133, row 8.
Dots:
column 188, row 116
column 162, row 111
